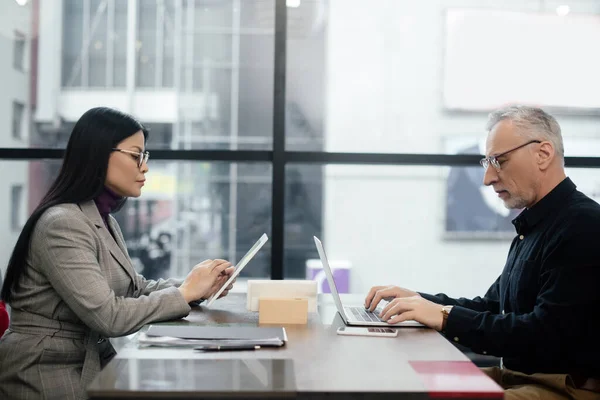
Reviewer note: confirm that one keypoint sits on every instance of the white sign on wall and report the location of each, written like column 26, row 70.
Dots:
column 493, row 58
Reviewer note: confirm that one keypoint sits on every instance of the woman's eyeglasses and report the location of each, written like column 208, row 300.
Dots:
column 141, row 157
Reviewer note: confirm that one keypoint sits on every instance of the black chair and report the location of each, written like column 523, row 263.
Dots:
column 480, row 360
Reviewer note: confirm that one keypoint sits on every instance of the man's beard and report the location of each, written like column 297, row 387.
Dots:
column 515, row 203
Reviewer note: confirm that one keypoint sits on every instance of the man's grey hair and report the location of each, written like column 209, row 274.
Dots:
column 532, row 123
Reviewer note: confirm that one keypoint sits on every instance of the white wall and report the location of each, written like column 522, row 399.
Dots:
column 49, row 60
column 14, row 87
column 384, row 81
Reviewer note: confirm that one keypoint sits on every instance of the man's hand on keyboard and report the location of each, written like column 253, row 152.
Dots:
column 413, row 308
column 387, row 293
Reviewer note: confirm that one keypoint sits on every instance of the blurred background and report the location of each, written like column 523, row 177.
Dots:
column 365, row 81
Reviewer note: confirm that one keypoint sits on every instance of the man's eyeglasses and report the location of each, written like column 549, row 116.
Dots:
column 141, row 157
column 485, row 162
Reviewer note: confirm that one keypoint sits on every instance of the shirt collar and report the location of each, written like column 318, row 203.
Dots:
column 530, row 217
column 107, row 201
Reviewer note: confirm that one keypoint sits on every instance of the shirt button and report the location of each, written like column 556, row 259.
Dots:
column 456, row 338
column 521, row 237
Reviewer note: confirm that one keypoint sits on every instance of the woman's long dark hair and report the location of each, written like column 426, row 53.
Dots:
column 81, row 177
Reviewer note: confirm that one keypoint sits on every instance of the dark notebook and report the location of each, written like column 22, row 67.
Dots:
column 218, row 332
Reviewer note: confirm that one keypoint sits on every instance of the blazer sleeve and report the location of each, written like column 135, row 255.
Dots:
column 147, row 286
column 64, row 248
column 490, row 301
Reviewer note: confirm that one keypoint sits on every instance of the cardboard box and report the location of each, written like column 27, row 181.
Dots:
column 278, row 310
column 287, row 288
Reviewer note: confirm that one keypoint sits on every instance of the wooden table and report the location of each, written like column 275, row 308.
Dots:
column 315, row 363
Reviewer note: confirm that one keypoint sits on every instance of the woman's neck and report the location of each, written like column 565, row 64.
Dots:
column 107, row 201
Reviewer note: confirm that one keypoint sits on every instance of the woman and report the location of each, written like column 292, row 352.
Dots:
column 70, row 282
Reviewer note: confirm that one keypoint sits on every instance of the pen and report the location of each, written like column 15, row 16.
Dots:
column 226, row 348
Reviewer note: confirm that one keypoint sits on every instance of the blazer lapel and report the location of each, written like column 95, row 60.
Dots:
column 114, row 245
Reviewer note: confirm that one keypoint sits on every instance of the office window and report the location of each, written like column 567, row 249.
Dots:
column 16, row 201
column 146, row 45
column 98, row 46
column 17, row 120
column 118, row 35
column 73, row 32
column 94, row 43
column 192, row 211
column 19, row 51
column 432, row 245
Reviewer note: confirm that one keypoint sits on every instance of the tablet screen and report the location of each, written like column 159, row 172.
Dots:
column 240, row 265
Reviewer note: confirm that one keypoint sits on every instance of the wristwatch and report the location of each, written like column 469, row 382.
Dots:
column 445, row 312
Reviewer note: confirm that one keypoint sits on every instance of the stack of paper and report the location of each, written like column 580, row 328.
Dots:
column 194, row 336
column 167, row 341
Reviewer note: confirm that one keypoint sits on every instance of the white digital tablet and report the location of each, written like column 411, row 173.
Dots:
column 240, row 266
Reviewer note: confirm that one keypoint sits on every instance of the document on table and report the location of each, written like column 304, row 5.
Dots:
column 194, row 336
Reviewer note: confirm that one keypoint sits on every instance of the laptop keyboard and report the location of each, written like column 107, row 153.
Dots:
column 361, row 314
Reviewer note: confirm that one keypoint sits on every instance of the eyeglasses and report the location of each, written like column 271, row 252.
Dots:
column 485, row 162
column 141, row 157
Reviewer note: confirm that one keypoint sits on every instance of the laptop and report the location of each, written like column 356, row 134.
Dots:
column 354, row 315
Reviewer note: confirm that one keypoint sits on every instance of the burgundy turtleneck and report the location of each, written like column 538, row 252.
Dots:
column 106, row 202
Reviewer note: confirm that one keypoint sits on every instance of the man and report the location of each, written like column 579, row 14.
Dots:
column 542, row 315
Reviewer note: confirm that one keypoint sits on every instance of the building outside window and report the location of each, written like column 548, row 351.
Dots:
column 19, row 51
column 17, row 120
column 16, row 207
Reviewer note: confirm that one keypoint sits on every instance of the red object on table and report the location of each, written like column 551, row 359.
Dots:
column 3, row 318
column 456, row 379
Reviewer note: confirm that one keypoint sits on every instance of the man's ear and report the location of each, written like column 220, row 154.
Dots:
column 545, row 155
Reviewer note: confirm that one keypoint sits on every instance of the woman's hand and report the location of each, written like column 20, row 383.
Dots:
column 205, row 279
column 224, row 277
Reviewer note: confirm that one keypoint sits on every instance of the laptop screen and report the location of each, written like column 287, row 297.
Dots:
column 329, row 275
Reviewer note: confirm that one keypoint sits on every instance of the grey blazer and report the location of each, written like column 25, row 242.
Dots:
column 78, row 289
